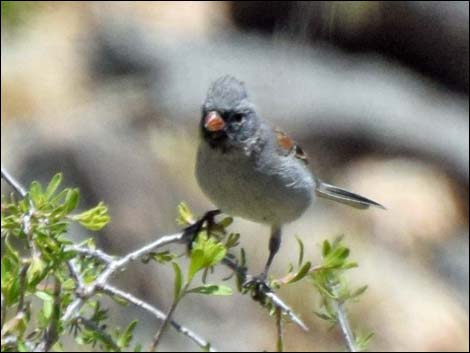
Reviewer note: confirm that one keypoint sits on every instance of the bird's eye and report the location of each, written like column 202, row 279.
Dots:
column 238, row 117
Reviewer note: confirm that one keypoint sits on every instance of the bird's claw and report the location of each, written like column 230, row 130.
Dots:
column 193, row 230
column 258, row 286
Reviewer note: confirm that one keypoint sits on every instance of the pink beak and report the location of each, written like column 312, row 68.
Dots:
column 213, row 122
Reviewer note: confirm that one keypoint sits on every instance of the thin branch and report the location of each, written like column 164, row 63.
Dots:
column 116, row 265
column 95, row 253
column 113, row 291
column 345, row 326
column 124, row 261
column 23, row 272
column 161, row 329
column 75, row 274
column 266, row 292
column 78, row 302
column 280, row 329
column 13, row 182
column 4, row 311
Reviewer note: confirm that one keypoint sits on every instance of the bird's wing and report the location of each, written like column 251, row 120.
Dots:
column 289, row 146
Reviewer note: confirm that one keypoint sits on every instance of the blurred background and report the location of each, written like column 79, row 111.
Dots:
column 375, row 92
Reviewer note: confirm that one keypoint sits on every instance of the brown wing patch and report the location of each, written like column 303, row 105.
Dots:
column 290, row 146
column 284, row 141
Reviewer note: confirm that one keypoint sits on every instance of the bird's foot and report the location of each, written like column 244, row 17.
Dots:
column 258, row 286
column 193, row 230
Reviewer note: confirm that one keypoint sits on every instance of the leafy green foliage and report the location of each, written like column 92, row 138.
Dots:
column 93, row 219
column 36, row 254
column 43, row 272
column 329, row 278
column 185, row 216
column 206, row 252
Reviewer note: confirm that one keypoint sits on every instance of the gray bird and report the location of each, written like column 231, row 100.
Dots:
column 249, row 170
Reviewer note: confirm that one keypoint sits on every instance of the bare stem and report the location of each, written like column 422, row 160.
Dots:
column 158, row 335
column 267, row 292
column 23, row 272
column 113, row 291
column 280, row 329
column 4, row 311
column 13, row 182
column 343, row 322
column 345, row 326
column 89, row 290
column 95, row 253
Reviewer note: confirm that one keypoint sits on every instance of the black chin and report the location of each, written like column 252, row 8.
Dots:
column 216, row 140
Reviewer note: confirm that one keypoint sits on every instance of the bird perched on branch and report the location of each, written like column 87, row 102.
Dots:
column 250, row 170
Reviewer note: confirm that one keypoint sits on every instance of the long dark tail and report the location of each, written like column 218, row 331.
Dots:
column 343, row 196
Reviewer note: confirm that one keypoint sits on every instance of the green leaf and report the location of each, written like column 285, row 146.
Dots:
column 227, row 221
column 44, row 296
column 10, row 279
column 22, row 347
column 325, row 291
column 337, row 256
column 162, row 256
column 178, row 281
column 206, row 252
column 47, row 306
column 47, row 309
column 216, row 254
column 36, row 271
column 61, row 195
column 358, row 292
column 71, row 200
column 95, row 218
column 301, row 273
column 242, row 257
column 68, row 284
column 53, row 185
column 212, row 289
column 232, row 240
column 326, row 248
column 185, row 216
column 326, row 317
column 126, row 336
column 35, row 193
column 349, row 265
column 363, row 341
column 301, row 250
column 196, row 263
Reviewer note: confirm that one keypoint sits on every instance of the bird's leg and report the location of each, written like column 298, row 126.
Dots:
column 274, row 245
column 193, row 230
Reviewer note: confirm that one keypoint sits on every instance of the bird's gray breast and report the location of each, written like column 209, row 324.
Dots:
column 262, row 187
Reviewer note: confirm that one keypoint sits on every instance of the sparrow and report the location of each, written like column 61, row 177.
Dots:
column 250, row 170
